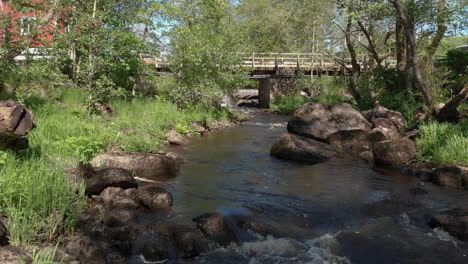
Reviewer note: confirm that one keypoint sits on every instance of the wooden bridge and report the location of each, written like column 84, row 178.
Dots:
column 266, row 67
column 287, row 65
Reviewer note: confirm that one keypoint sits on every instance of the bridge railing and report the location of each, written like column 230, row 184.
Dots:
column 304, row 61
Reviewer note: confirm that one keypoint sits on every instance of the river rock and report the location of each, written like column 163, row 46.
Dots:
column 350, row 142
column 155, row 197
column 394, row 152
column 114, row 197
column 109, row 177
column 14, row 255
column 422, row 170
column 302, row 149
column 451, row 176
column 216, row 227
column 119, row 217
column 395, row 117
column 174, row 138
column 3, row 234
column 86, row 250
column 320, row 120
column 171, row 241
column 16, row 121
column 143, row 165
column 454, row 222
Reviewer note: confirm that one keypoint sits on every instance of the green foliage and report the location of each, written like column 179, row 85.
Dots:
column 443, row 143
column 204, row 49
column 457, row 60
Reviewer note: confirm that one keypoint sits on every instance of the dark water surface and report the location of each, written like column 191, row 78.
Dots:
column 339, row 211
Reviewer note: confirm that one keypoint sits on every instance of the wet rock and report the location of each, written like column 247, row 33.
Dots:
column 422, row 170
column 143, row 165
column 418, row 191
column 14, row 255
column 319, row 120
column 367, row 156
column 108, row 177
column 219, row 124
column 394, row 152
column 302, row 149
column 216, row 227
column 86, row 250
column 171, row 241
column 451, row 176
column 3, row 234
column 248, row 103
column 199, row 127
column 454, row 222
column 114, row 197
column 174, row 138
column 119, row 217
column 155, row 197
column 350, row 142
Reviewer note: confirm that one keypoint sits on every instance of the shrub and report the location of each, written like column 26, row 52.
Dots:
column 443, row 143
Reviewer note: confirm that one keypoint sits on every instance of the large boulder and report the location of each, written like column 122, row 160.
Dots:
column 155, row 197
column 216, row 227
column 320, row 120
column 3, row 234
column 350, row 142
column 144, row 165
column 16, row 121
column 395, row 152
column 114, row 197
column 451, row 176
column 302, row 149
column 453, row 221
column 13, row 255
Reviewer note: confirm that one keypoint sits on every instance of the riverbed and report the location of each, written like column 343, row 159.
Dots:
column 340, row 211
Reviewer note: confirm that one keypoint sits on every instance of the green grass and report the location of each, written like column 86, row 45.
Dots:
column 34, row 195
column 444, row 143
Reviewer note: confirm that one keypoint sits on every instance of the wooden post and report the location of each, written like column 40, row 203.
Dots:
column 321, row 60
column 253, row 60
column 264, row 90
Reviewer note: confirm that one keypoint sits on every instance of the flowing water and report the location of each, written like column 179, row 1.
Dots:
column 339, row 211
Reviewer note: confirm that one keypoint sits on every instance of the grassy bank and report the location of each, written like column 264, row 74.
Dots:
column 40, row 205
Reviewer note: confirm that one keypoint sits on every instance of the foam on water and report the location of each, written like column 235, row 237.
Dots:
column 280, row 251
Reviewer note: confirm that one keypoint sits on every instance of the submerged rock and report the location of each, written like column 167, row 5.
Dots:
column 453, row 221
column 394, row 152
column 216, row 227
column 86, row 250
column 451, row 176
column 14, row 255
column 319, row 120
column 302, row 149
column 143, row 165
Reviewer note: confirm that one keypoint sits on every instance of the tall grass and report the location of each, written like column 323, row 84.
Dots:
column 444, row 143
column 34, row 194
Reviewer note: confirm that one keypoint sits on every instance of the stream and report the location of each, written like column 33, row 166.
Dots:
column 339, row 211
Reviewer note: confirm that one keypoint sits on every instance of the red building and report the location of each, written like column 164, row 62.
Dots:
column 24, row 25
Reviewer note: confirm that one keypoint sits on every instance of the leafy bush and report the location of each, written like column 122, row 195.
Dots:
column 444, row 143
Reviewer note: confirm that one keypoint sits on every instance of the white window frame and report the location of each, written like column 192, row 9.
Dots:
column 26, row 31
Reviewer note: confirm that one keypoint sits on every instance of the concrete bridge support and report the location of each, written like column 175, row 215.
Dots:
column 264, row 89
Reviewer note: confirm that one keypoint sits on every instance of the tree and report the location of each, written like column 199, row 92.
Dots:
column 205, row 44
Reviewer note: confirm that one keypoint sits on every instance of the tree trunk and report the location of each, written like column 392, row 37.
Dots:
column 413, row 53
column 402, row 61
column 449, row 112
column 356, row 70
column 441, row 28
